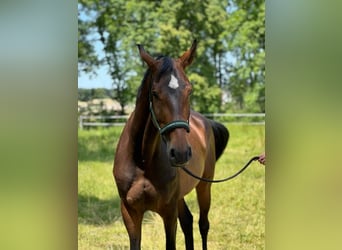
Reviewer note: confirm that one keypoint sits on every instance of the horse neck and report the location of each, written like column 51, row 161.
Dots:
column 148, row 144
column 151, row 142
column 141, row 122
column 155, row 160
column 142, row 105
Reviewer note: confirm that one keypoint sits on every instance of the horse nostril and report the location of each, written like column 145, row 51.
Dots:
column 178, row 158
column 172, row 153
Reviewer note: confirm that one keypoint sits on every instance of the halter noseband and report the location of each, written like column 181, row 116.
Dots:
column 171, row 125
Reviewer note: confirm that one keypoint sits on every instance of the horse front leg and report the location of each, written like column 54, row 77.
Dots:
column 133, row 220
column 169, row 216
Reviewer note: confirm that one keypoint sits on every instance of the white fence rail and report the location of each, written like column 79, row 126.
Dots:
column 120, row 120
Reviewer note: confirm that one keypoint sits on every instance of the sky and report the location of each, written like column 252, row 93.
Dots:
column 102, row 80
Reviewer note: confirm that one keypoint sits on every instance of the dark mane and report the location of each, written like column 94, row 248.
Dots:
column 147, row 75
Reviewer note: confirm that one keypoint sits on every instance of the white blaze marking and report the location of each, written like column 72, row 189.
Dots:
column 173, row 82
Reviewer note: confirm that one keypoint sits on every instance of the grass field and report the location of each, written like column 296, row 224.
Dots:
column 237, row 214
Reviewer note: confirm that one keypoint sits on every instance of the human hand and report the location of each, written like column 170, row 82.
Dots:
column 262, row 159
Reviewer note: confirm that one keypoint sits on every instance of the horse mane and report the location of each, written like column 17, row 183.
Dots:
column 147, row 75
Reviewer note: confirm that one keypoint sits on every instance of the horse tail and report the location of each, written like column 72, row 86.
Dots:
column 221, row 135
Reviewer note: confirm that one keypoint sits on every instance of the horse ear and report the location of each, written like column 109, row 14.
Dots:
column 189, row 55
column 146, row 57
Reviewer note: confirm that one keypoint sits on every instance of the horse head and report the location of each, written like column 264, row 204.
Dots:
column 169, row 102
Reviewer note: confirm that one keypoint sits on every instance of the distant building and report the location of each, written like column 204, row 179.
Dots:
column 98, row 106
column 82, row 106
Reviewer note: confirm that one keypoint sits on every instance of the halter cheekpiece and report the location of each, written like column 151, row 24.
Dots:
column 171, row 125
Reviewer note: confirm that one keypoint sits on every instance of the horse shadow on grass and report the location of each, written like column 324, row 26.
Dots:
column 101, row 153
column 95, row 211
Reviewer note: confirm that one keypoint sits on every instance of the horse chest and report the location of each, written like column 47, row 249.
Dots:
column 144, row 193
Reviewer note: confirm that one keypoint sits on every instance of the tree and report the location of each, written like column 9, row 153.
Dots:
column 87, row 58
column 246, row 33
column 230, row 54
column 84, row 94
column 98, row 93
column 89, row 94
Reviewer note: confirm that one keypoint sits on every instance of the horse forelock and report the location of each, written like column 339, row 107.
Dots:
column 165, row 67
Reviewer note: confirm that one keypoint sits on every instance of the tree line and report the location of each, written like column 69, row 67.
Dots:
column 94, row 93
column 230, row 56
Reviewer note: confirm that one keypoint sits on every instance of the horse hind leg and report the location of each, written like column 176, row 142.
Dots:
column 203, row 197
column 133, row 221
column 186, row 221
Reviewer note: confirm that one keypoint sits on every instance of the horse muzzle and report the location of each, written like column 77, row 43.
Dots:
column 179, row 158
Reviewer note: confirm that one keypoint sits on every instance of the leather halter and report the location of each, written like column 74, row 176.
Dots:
column 171, row 125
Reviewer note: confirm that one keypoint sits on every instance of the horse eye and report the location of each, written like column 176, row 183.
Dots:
column 155, row 94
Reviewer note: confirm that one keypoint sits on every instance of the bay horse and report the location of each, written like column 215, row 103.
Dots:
column 161, row 135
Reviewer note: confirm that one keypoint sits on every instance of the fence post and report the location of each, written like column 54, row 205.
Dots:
column 81, row 122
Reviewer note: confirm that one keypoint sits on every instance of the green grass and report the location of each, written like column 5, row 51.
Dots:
column 237, row 214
